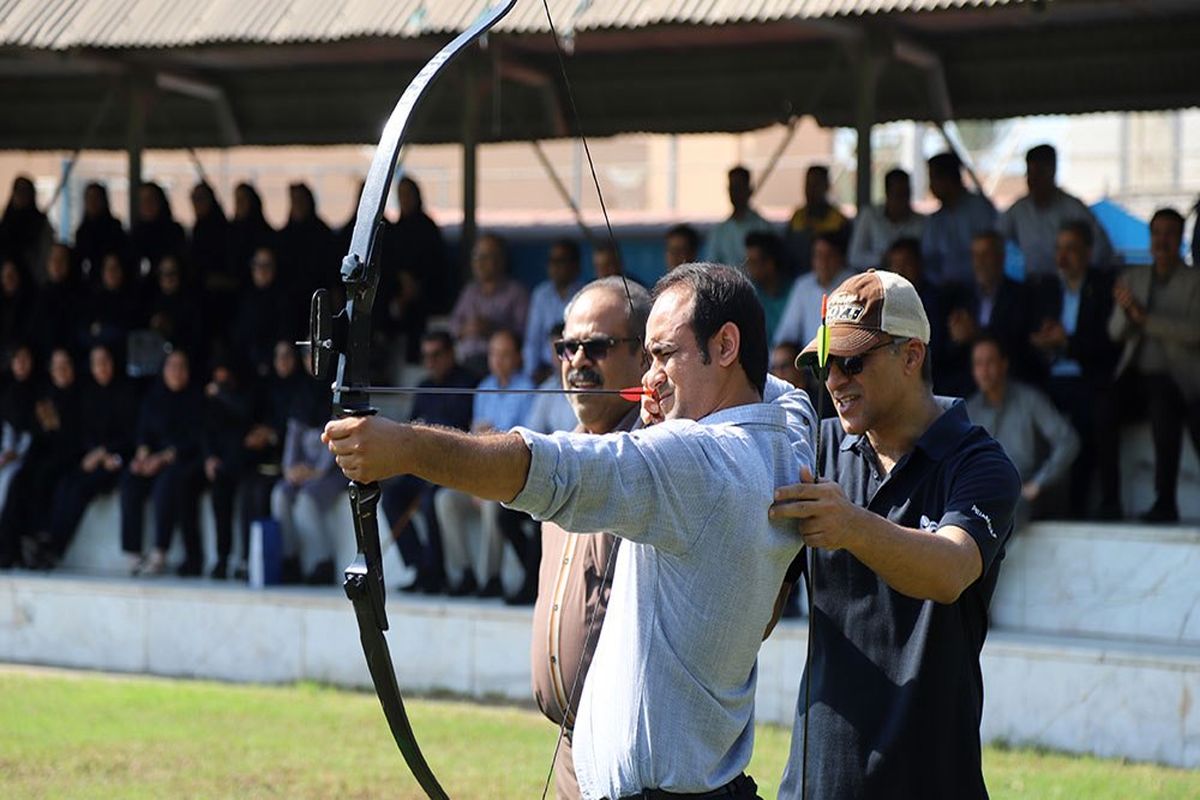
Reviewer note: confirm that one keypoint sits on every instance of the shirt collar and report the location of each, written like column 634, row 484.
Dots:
column 938, row 439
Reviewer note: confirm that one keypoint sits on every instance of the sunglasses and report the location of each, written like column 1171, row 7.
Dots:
column 593, row 349
column 853, row 365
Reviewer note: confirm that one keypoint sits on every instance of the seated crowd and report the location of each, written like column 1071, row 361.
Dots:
column 160, row 363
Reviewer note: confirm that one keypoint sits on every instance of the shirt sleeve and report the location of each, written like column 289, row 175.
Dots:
column 656, row 486
column 1061, row 436
column 982, row 496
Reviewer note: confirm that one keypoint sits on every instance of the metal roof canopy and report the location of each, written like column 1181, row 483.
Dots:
column 728, row 70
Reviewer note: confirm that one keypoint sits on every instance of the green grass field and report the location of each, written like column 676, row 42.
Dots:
column 76, row 735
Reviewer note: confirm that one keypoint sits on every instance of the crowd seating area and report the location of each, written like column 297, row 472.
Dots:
column 151, row 365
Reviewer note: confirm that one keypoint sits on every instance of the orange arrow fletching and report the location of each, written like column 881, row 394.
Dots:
column 634, row 394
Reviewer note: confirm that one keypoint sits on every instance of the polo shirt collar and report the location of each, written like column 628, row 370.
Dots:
column 938, row 440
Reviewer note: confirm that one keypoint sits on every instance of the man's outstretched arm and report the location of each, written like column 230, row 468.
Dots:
column 491, row 466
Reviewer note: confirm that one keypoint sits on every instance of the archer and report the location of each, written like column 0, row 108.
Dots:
column 668, row 707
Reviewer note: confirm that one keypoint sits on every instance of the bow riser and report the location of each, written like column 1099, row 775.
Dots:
column 349, row 335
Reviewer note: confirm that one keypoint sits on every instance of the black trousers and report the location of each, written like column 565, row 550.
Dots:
column 1136, row 396
column 27, row 508
column 256, row 489
column 1079, row 400
column 528, row 548
column 75, row 492
column 175, row 493
column 402, row 497
column 222, row 492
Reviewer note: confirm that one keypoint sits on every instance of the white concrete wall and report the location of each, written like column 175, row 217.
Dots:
column 1111, row 698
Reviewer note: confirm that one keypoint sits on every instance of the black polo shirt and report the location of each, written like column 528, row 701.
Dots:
column 897, row 689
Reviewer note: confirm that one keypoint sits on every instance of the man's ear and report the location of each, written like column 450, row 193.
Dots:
column 915, row 356
column 726, row 344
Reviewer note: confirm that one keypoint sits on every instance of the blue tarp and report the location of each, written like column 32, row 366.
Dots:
column 1130, row 236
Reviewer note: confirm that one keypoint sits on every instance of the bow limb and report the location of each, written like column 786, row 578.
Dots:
column 351, row 397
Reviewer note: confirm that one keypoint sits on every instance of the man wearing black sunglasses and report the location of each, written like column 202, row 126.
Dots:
column 904, row 536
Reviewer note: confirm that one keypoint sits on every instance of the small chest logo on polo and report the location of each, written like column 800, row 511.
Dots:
column 844, row 307
column 927, row 524
column 977, row 511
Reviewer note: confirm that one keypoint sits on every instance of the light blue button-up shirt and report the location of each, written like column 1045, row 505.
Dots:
column 669, row 699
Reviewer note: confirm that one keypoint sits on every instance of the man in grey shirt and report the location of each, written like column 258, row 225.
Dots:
column 668, row 705
column 1023, row 421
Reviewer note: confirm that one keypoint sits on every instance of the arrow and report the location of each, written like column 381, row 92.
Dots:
column 633, row 394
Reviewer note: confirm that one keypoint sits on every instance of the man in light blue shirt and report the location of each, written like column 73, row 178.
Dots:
column 493, row 411
column 669, row 699
column 802, row 314
column 546, row 306
column 946, row 243
column 727, row 242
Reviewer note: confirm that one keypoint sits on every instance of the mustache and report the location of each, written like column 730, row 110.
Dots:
column 585, row 375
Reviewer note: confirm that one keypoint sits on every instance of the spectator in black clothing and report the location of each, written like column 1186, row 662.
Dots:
column 56, row 446
column 58, row 305
column 18, row 422
column 16, row 303
column 275, row 396
column 25, row 233
column 416, row 280
column 98, row 234
column 209, row 261
column 248, row 231
column 1073, row 345
column 265, row 316
column 407, row 496
column 106, row 444
column 155, row 234
column 166, row 465
column 996, row 304
column 307, row 250
column 175, row 312
column 226, row 422
column 114, row 308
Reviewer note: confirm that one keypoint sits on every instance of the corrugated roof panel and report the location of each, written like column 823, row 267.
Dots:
column 63, row 24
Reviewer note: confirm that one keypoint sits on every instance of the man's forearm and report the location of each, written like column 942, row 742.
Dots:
column 925, row 565
column 491, row 466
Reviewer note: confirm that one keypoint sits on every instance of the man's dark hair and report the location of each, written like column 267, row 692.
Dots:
column 1081, row 229
column 909, row 244
column 512, row 335
column 611, row 249
column 570, row 247
column 893, row 175
column 723, row 294
column 1042, row 154
column 740, row 172
column 687, row 232
column 1169, row 214
column 988, row 337
column 835, row 240
column 991, row 236
column 770, row 244
column 442, row 338
column 946, row 165
column 818, row 169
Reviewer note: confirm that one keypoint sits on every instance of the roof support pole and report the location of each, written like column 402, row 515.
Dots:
column 470, row 144
column 867, row 65
column 141, row 95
